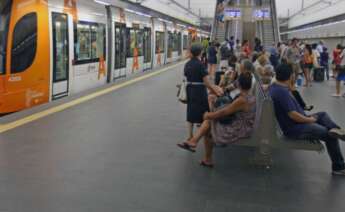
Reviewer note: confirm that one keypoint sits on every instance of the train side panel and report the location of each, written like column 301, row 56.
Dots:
column 89, row 63
column 28, row 61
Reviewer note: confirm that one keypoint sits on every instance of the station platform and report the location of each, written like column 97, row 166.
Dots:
column 116, row 151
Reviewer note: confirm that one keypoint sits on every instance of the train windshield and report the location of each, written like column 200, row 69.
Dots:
column 5, row 10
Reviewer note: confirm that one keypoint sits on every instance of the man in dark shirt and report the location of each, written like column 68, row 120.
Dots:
column 296, row 124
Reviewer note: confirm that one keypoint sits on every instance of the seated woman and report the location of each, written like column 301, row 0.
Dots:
column 228, row 81
column 243, row 110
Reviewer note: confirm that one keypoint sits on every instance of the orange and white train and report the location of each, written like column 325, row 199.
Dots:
column 50, row 49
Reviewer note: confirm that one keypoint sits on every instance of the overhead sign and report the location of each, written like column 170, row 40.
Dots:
column 262, row 14
column 232, row 13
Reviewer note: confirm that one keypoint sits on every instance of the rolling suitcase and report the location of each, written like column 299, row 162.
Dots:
column 319, row 74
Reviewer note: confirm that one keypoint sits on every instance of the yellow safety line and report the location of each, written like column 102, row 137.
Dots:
column 59, row 108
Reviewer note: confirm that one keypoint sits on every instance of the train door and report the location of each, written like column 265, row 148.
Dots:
column 120, row 50
column 147, row 48
column 179, row 44
column 170, row 46
column 61, row 67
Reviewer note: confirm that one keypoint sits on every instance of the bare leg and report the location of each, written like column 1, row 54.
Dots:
column 202, row 131
column 338, row 87
column 190, row 130
column 208, row 150
column 306, row 76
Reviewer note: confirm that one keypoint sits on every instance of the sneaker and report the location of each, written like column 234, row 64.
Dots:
column 336, row 95
column 337, row 133
column 339, row 173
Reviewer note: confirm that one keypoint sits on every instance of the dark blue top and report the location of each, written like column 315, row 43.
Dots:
column 284, row 103
column 324, row 58
column 212, row 53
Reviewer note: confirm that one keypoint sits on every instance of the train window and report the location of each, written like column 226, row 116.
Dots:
column 160, row 42
column 24, row 43
column 120, row 46
column 5, row 8
column 179, row 43
column 176, row 40
column 83, row 46
column 147, row 45
column 185, row 41
column 135, row 40
column 97, row 41
column 89, row 42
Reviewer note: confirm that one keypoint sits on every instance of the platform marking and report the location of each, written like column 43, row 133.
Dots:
column 59, row 108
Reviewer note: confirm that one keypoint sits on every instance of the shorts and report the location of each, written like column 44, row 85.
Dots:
column 308, row 66
column 341, row 73
column 296, row 68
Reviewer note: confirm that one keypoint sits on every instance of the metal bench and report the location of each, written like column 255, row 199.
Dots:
column 267, row 134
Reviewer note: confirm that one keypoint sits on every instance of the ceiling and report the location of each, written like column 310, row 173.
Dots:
column 206, row 7
column 202, row 8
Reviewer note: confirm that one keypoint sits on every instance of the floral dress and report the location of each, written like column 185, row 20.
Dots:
column 241, row 127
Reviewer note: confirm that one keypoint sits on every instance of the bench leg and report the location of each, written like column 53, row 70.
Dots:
column 263, row 157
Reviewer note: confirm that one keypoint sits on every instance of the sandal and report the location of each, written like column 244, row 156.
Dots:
column 207, row 165
column 187, row 147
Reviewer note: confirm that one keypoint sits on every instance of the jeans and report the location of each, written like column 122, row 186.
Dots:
column 319, row 131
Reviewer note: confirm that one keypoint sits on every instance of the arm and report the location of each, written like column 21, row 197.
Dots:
column 213, row 88
column 237, row 105
column 299, row 118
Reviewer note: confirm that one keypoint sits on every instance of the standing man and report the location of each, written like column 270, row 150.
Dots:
column 293, row 57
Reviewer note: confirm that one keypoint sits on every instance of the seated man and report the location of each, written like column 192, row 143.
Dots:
column 297, row 125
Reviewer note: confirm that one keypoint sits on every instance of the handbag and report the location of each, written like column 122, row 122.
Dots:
column 182, row 91
column 222, row 102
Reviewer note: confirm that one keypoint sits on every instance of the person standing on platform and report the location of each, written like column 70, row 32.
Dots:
column 197, row 85
column 324, row 61
column 336, row 59
column 238, row 48
column 212, row 58
column 308, row 61
column 258, row 46
column 340, row 73
column 232, row 44
column 293, row 57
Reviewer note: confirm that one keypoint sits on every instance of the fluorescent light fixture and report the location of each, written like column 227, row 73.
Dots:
column 98, row 14
column 102, row 2
column 138, row 13
column 165, row 20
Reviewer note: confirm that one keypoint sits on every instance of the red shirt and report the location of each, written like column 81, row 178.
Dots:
column 336, row 56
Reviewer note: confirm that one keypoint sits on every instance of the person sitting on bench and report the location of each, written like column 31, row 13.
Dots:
column 242, row 111
column 296, row 124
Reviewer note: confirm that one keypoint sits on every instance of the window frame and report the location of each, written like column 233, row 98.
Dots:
column 55, row 79
column 14, row 33
column 163, row 49
column 136, row 32
column 121, row 27
column 90, row 25
column 185, row 42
